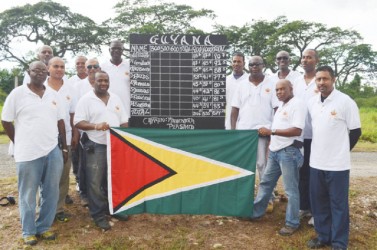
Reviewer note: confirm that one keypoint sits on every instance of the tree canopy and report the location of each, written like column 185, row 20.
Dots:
column 53, row 24
column 47, row 23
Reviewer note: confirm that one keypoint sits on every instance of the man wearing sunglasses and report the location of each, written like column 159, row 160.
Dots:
column 253, row 106
column 84, row 87
column 283, row 61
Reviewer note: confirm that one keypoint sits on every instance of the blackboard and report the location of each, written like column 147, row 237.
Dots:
column 178, row 81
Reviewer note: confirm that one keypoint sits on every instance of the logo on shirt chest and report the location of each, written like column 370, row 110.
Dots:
column 333, row 114
column 68, row 98
column 267, row 90
column 117, row 108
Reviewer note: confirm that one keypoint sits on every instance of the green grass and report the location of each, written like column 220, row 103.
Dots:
column 368, row 117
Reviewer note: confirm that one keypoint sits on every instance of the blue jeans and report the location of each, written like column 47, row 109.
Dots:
column 330, row 209
column 286, row 162
column 44, row 172
column 96, row 180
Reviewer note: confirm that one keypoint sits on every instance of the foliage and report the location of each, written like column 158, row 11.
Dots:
column 341, row 49
column 357, row 90
column 48, row 23
column 368, row 118
column 139, row 16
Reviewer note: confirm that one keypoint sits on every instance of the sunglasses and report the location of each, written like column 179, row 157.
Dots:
column 255, row 64
column 282, row 58
column 96, row 66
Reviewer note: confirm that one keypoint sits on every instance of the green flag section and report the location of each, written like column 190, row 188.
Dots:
column 181, row 171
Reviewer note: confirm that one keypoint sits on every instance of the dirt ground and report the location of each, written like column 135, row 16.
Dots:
column 148, row 231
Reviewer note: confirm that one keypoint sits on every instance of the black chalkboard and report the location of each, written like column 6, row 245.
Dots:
column 178, row 81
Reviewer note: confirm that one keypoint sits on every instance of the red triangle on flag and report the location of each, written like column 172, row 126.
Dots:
column 132, row 170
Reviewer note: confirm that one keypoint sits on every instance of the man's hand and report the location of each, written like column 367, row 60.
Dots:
column 264, row 131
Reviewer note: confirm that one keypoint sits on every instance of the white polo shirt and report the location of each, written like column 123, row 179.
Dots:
column 69, row 100
column 120, row 81
column 289, row 115
column 231, row 86
column 93, row 110
column 35, row 121
column 83, row 87
column 293, row 76
column 306, row 92
column 331, row 122
column 75, row 80
column 255, row 103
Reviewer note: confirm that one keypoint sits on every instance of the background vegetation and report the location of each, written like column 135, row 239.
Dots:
column 70, row 34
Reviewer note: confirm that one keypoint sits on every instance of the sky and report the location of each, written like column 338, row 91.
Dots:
column 359, row 15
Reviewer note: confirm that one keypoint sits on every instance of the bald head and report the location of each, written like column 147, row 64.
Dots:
column 45, row 53
column 284, row 90
column 56, row 68
column 37, row 72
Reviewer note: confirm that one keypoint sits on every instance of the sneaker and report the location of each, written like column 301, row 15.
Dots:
column 77, row 187
column 287, row 230
column 103, row 224
column 121, row 217
column 30, row 240
column 48, row 235
column 315, row 244
column 270, row 207
column 68, row 200
column 62, row 217
column 311, row 222
column 305, row 214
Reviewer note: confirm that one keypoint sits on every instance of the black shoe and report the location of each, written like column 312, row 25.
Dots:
column 315, row 244
column 62, row 217
column 68, row 200
column 103, row 224
column 120, row 217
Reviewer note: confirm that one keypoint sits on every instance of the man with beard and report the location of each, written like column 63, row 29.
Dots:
column 96, row 112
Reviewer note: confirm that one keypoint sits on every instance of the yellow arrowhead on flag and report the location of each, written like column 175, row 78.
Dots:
column 192, row 170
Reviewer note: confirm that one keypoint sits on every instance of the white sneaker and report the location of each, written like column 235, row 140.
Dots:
column 311, row 222
column 77, row 187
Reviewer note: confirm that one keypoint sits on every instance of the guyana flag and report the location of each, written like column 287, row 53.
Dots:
column 164, row 171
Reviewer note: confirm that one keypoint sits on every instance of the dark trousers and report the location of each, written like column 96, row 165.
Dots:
column 81, row 171
column 305, row 177
column 329, row 202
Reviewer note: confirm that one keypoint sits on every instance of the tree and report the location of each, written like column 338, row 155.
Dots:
column 341, row 49
column 48, row 23
column 162, row 18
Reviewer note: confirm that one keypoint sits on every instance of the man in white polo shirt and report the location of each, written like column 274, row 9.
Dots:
column 253, row 105
column 38, row 116
column 336, row 130
column 233, row 81
column 283, row 60
column 55, row 81
column 119, row 72
column 96, row 112
column 284, row 157
column 44, row 54
column 306, row 89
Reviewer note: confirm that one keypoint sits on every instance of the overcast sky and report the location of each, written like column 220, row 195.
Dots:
column 360, row 15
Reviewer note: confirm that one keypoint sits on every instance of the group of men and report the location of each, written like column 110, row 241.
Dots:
column 55, row 122
column 306, row 130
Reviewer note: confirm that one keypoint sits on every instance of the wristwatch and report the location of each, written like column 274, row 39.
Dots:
column 273, row 132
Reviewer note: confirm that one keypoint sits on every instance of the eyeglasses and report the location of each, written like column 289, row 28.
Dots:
column 36, row 71
column 96, row 66
column 254, row 64
column 282, row 58
column 55, row 66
